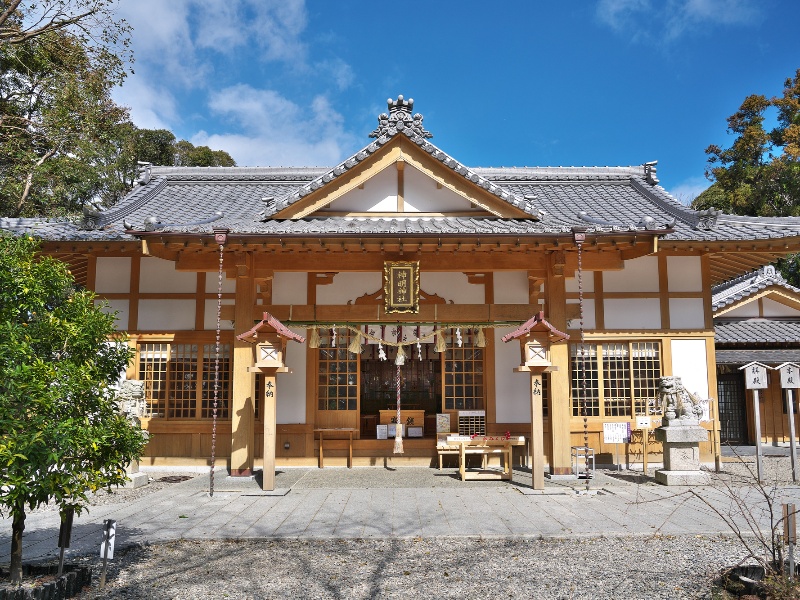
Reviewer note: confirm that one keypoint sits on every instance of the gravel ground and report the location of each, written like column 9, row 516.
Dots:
column 603, row 568
column 607, row 568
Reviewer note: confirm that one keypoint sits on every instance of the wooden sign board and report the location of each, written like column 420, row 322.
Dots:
column 790, row 376
column 401, row 287
column 755, row 376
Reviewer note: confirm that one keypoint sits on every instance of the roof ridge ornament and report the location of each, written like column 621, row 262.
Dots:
column 650, row 172
column 400, row 119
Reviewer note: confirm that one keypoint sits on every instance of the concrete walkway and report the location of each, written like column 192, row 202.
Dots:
column 404, row 502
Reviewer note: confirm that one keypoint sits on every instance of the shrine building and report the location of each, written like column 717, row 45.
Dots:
column 540, row 301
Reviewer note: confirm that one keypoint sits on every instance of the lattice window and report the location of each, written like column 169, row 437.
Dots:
column 621, row 377
column 224, row 381
column 182, row 381
column 646, row 370
column 463, row 372
column 171, row 373
column 616, row 380
column 153, row 363
column 337, row 387
column 585, row 384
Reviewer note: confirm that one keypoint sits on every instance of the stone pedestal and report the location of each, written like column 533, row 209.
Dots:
column 137, row 478
column 681, row 439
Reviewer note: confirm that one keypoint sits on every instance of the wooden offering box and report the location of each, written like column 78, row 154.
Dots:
column 409, row 418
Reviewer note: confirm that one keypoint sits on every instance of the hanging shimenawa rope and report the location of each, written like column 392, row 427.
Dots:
column 216, row 376
column 398, row 430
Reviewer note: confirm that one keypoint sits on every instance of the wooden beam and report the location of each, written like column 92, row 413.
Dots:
column 365, row 313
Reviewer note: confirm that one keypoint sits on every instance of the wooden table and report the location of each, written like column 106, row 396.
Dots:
column 348, row 430
column 485, row 446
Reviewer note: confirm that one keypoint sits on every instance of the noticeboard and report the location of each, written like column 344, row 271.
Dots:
column 616, row 433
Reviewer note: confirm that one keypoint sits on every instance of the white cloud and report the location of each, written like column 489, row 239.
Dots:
column 278, row 131
column 151, row 107
column 671, row 19
column 689, row 189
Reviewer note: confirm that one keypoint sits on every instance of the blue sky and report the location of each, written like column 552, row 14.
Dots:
column 513, row 83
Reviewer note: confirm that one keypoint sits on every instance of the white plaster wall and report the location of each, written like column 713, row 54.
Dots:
column 228, row 285
column 589, row 321
column 379, row 195
column 210, row 316
column 290, row 288
column 689, row 363
column 122, row 308
column 349, row 286
column 571, row 283
column 166, row 315
column 112, row 275
column 452, row 286
column 158, row 276
column 512, row 390
column 292, row 386
column 686, row 313
column 684, row 274
column 421, row 195
column 776, row 309
column 510, row 287
column 744, row 311
column 639, row 275
column 632, row 313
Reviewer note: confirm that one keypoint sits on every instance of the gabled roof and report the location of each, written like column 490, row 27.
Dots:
column 536, row 323
column 748, row 285
column 552, row 200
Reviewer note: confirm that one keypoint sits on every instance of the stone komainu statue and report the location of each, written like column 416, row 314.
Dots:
column 677, row 402
column 130, row 399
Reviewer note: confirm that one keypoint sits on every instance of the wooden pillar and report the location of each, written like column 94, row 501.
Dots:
column 243, row 407
column 270, row 426
column 537, row 430
column 560, row 409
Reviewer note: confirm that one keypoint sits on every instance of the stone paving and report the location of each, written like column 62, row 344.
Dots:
column 405, row 502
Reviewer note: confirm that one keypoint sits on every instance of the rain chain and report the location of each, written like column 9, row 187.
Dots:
column 584, row 412
column 216, row 376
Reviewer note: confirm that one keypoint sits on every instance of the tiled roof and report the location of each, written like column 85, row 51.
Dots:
column 770, row 357
column 737, row 289
column 601, row 199
column 757, row 331
column 243, row 200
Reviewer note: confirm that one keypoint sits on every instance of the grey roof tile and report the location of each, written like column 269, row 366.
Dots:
column 757, row 331
column 772, row 357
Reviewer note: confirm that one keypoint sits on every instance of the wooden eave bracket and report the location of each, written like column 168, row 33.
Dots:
column 271, row 322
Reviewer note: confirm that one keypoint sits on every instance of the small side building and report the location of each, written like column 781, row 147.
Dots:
column 756, row 318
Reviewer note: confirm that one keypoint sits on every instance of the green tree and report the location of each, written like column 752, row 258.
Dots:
column 62, row 435
column 61, row 134
column 759, row 174
column 155, row 146
column 189, row 155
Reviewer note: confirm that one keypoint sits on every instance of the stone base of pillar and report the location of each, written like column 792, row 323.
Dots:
column 665, row 477
column 137, row 478
column 681, row 442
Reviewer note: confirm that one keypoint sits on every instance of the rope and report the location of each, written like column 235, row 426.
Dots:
column 398, row 435
column 216, row 376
